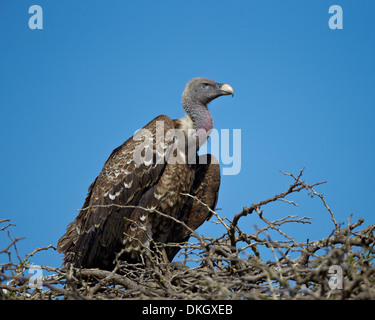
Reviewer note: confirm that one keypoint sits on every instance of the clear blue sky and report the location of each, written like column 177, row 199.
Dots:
column 99, row 70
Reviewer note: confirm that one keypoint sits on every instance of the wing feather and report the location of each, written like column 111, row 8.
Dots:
column 97, row 232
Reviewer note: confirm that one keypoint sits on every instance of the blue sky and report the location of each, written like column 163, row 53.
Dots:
column 98, row 71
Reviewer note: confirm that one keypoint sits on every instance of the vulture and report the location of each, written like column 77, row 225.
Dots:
column 153, row 190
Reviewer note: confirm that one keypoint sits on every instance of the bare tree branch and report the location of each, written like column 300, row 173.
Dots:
column 231, row 266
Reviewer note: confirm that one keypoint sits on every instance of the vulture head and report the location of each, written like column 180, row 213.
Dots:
column 203, row 91
column 197, row 94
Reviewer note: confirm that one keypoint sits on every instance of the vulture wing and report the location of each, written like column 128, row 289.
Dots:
column 97, row 233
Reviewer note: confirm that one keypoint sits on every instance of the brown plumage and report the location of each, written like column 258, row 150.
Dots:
column 144, row 182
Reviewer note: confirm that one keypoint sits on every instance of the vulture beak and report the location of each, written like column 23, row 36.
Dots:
column 226, row 89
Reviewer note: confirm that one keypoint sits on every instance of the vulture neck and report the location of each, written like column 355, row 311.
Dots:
column 199, row 116
column 197, row 124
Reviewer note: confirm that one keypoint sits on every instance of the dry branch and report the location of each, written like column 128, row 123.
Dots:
column 340, row 266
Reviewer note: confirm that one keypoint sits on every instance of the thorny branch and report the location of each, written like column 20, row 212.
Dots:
column 231, row 266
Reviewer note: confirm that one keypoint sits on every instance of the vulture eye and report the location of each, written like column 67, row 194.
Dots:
column 205, row 85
